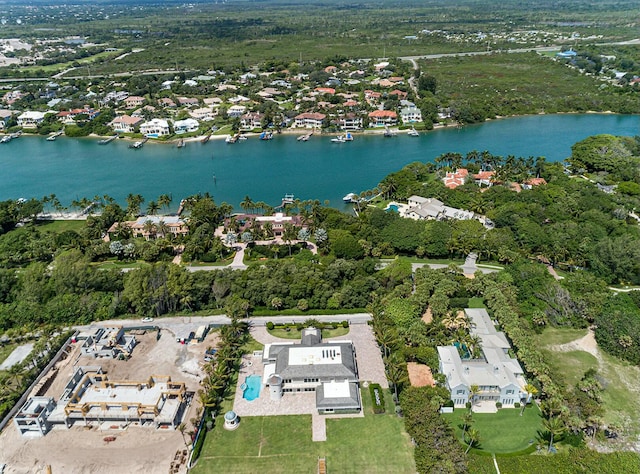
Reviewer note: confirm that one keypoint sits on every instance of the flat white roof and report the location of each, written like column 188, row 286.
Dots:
column 336, row 389
column 325, row 355
column 124, row 394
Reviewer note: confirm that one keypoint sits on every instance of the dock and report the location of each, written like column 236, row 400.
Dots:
column 108, row 140
column 206, row 138
column 137, row 145
column 53, row 136
column 305, row 137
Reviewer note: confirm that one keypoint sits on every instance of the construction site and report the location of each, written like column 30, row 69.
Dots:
column 114, row 402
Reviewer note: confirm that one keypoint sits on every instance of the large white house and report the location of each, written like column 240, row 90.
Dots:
column 125, row 124
column 185, row 126
column 155, row 128
column 309, row 120
column 499, row 377
column 30, row 119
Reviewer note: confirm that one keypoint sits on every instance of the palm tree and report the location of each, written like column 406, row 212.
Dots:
column 555, row 426
column 134, row 201
column 149, row 228
column 473, row 437
column 247, row 203
column 531, row 390
column 164, row 200
column 162, row 229
column 473, row 391
column 152, row 207
column 182, row 428
column 467, row 421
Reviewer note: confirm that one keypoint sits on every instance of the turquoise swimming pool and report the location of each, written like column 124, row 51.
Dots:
column 253, row 384
column 392, row 208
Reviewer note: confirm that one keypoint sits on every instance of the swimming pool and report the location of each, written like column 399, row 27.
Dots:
column 253, row 385
column 392, row 208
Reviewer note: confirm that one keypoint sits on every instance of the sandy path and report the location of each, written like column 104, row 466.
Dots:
column 586, row 344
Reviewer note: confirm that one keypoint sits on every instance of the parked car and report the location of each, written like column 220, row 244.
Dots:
column 147, row 320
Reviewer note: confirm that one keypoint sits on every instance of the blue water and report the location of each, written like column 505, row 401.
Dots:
column 392, row 208
column 266, row 170
column 254, row 384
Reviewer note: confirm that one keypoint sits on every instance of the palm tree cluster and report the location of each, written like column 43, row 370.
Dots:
column 15, row 381
column 219, row 371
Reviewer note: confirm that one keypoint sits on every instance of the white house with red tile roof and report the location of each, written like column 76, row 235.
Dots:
column 325, row 90
column 382, row 118
column 484, row 178
column 453, row 180
column 528, row 184
column 133, row 101
column 125, row 124
column 350, row 121
column 309, row 120
column 251, row 120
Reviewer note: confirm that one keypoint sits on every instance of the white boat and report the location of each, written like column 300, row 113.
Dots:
column 351, row 197
column 242, row 137
column 230, row 139
column 338, row 139
column 413, row 132
column 388, row 132
column 5, row 139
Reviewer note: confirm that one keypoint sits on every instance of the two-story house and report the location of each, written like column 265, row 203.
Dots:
column 497, row 376
column 309, row 120
column 125, row 124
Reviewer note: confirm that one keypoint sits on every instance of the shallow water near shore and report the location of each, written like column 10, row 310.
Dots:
column 266, row 170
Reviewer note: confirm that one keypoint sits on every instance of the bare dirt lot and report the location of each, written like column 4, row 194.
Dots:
column 135, row 449
column 420, row 375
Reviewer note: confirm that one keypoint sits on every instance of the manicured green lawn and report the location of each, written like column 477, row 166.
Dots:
column 502, row 432
column 282, row 444
column 62, row 225
column 476, row 303
column 295, row 334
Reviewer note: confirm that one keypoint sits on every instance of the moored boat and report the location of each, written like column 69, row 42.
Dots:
column 348, row 137
column 266, row 136
column 338, row 139
column 351, row 197
column 413, row 132
column 181, row 143
column 5, row 139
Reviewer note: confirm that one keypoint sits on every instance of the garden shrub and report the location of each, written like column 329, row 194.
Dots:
column 270, row 325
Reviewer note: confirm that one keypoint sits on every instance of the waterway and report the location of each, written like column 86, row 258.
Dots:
column 266, row 170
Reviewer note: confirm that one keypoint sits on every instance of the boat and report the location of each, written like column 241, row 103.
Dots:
column 242, row 137
column 348, row 137
column 108, row 140
column 16, row 134
column 351, row 197
column 181, row 143
column 136, row 145
column 338, row 139
column 231, row 139
column 266, row 136
column 5, row 139
column 303, row 138
column 413, row 132
column 388, row 132
column 53, row 136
